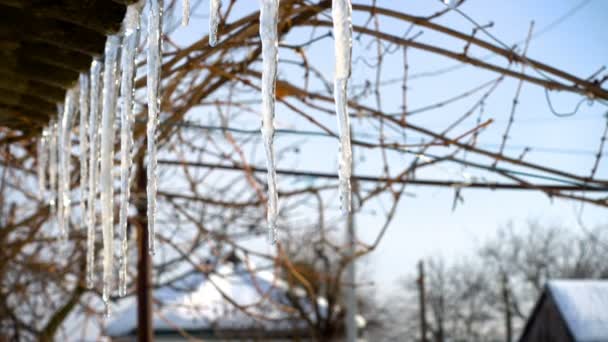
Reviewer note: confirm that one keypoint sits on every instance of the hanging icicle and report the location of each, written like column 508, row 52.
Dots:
column 341, row 13
column 214, row 20
column 269, row 15
column 127, row 65
column 107, row 163
column 84, row 144
column 59, row 172
column 53, row 132
column 42, row 161
column 451, row 3
column 185, row 12
column 154, row 67
column 95, row 94
column 65, row 158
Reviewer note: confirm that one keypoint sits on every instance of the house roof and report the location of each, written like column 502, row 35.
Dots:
column 44, row 45
column 196, row 303
column 583, row 305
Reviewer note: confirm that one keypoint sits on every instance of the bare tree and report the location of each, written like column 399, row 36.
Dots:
column 483, row 296
column 212, row 196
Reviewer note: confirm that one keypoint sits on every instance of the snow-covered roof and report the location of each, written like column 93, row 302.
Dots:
column 197, row 302
column 584, row 306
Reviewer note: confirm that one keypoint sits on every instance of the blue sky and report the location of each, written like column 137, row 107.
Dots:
column 425, row 224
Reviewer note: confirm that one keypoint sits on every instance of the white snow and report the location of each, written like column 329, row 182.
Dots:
column 342, row 24
column 95, row 93
column 107, row 160
column 196, row 302
column 584, row 306
column 214, row 19
column 269, row 15
column 154, row 69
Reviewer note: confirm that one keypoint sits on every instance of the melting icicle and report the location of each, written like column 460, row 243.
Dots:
column 59, row 175
column 185, row 12
column 341, row 13
column 93, row 169
column 269, row 15
column 154, row 66
column 65, row 149
column 42, row 160
column 107, row 161
column 214, row 20
column 127, row 62
column 84, row 144
column 53, row 132
column 451, row 3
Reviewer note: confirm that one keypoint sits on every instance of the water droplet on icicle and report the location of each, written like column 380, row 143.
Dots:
column 342, row 24
column 269, row 16
column 153, row 83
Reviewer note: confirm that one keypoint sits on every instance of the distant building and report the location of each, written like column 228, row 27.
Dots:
column 195, row 307
column 570, row 311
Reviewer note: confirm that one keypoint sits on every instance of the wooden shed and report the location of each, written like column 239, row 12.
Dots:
column 569, row 311
column 44, row 45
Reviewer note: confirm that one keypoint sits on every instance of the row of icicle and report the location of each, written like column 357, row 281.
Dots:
column 96, row 99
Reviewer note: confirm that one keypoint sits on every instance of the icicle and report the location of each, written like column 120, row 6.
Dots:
column 53, row 132
column 127, row 62
column 269, row 15
column 214, row 20
column 42, row 161
column 154, row 68
column 65, row 149
column 93, row 169
column 84, row 144
column 59, row 175
column 451, row 3
column 107, row 161
column 185, row 12
column 341, row 13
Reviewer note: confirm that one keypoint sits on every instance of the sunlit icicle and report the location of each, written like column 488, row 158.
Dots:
column 127, row 65
column 53, row 132
column 342, row 24
column 59, row 175
column 95, row 94
column 107, row 162
column 65, row 148
column 214, row 20
column 269, row 15
column 185, row 12
column 42, row 160
column 451, row 3
column 84, row 144
column 154, row 67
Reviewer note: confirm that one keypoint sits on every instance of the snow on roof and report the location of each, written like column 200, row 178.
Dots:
column 584, row 306
column 195, row 302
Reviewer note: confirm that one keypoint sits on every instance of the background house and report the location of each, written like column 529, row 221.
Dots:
column 570, row 310
column 234, row 302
